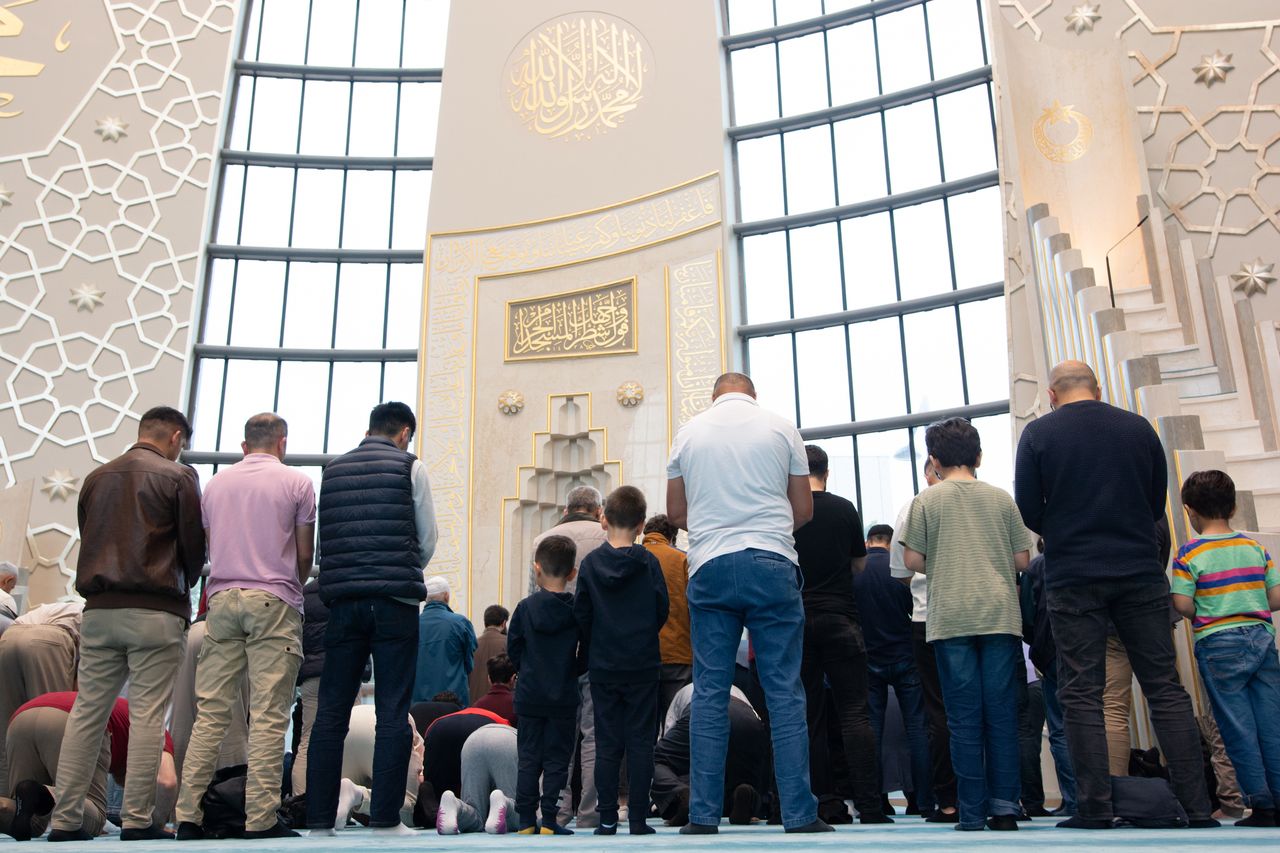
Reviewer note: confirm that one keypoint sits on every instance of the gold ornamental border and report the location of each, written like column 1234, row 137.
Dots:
column 507, row 358
column 475, row 287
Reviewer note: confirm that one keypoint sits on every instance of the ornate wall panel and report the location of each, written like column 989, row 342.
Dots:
column 108, row 123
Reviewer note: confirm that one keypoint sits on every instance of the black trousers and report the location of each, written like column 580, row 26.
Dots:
column 833, row 650
column 544, row 746
column 1030, row 741
column 944, row 777
column 1139, row 609
column 626, row 722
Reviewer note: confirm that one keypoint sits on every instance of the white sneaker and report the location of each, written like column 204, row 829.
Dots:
column 447, row 814
column 349, row 799
column 397, row 830
column 496, row 824
column 321, row 833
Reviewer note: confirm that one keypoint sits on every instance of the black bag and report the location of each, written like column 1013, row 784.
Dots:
column 223, row 803
column 1146, row 803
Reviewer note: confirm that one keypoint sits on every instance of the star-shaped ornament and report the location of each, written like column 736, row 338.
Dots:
column 86, row 297
column 111, row 129
column 1083, row 17
column 1213, row 69
column 1058, row 113
column 1253, row 277
column 6, row 196
column 60, row 485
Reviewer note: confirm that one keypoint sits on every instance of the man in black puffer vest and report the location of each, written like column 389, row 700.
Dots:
column 377, row 533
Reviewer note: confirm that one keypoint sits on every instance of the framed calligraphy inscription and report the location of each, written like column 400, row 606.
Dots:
column 595, row 321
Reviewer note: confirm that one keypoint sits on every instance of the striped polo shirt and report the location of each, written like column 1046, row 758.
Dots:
column 1228, row 574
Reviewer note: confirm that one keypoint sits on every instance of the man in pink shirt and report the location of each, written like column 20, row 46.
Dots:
column 260, row 516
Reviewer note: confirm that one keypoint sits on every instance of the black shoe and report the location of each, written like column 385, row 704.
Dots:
column 885, row 806
column 56, row 835
column 1204, row 823
column 699, row 829
column 1003, row 823
column 1037, row 811
column 30, row 800
column 1021, row 817
column 940, row 816
column 1078, row 822
column 640, row 827
column 146, row 833
column 277, row 831
column 743, row 806
column 606, row 828
column 1259, row 817
column 815, row 826
column 874, row 818
column 678, row 812
column 188, row 831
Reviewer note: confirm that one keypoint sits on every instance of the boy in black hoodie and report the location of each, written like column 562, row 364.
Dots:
column 542, row 642
column 621, row 605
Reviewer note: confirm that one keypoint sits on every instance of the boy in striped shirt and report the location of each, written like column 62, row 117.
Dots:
column 1227, row 585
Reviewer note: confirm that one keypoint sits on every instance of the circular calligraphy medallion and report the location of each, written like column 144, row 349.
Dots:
column 577, row 76
column 1054, row 150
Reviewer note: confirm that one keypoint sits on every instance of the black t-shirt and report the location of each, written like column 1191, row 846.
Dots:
column 827, row 546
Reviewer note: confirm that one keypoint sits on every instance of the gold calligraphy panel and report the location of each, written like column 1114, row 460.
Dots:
column 696, row 335
column 577, row 76
column 595, row 321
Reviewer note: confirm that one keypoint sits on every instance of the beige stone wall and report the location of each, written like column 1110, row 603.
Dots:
column 108, row 125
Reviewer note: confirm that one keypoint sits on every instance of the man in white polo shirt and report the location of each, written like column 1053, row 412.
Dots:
column 738, row 481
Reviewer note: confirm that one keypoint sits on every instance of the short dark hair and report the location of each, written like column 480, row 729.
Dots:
column 625, row 508
column 953, row 442
column 501, row 669
column 880, row 531
column 1212, row 494
column 495, row 615
column 556, row 555
column 264, row 430
column 390, row 418
column 447, row 696
column 661, row 524
column 163, row 420
column 818, row 464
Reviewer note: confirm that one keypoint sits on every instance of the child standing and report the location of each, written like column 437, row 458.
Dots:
column 542, row 643
column 621, row 605
column 1227, row 585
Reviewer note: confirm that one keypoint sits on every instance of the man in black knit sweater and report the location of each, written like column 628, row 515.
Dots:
column 1092, row 480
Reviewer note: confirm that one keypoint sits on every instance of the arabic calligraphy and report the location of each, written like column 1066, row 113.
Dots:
column 11, row 26
column 595, row 321
column 577, row 76
column 695, row 336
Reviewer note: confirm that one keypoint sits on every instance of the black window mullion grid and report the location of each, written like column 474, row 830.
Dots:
column 786, row 208
column 982, row 33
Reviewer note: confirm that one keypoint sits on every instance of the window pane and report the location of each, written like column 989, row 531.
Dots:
column 308, row 322
column 317, row 207
column 409, row 223
column 284, row 31
column 764, row 264
column 362, row 297
column 852, row 54
column 954, row 36
column 997, row 451
column 877, row 370
column 771, row 370
column 860, row 159
column 967, row 148
column 373, row 120
column 823, row 365
column 217, row 303
column 255, row 318
column 403, row 317
column 760, row 178
column 232, row 187
column 913, row 147
column 240, row 112
column 304, row 386
column 841, row 480
column 366, row 221
column 251, row 389
column 419, row 112
column 400, row 382
column 276, row 105
column 748, row 15
column 208, row 398
column 268, row 195
column 755, row 84
column 796, row 10
column 868, row 261
column 986, row 350
column 804, row 73
column 924, row 267
column 810, row 181
column 378, row 35
column 355, row 393
column 425, row 25
column 904, row 56
column 933, row 360
column 815, row 270
column 324, row 117
column 976, row 237
column 332, row 33
column 884, row 470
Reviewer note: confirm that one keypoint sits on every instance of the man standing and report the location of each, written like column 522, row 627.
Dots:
column 832, row 549
column 673, row 639
column 260, row 518
column 584, row 508
column 1091, row 479
column 491, row 643
column 142, row 546
column 446, row 646
column 377, row 533
column 738, row 481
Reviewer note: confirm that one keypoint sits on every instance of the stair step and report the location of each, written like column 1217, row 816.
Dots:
column 1193, row 382
column 1145, row 316
column 1217, row 409
column 1159, row 338
column 1240, row 438
column 1133, row 297
column 1180, row 357
column 1254, row 470
column 1267, row 504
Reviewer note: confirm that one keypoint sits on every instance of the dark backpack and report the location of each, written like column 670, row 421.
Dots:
column 223, row 803
column 1147, row 803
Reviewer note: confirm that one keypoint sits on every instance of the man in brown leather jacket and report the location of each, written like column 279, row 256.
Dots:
column 142, row 547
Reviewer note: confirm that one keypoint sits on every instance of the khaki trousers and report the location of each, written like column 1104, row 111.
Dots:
column 235, row 745
column 34, row 660
column 252, row 631
column 309, row 696
column 1117, row 705
column 34, row 746
column 143, row 647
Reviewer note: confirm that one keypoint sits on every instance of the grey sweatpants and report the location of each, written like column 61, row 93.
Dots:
column 488, row 765
column 586, row 757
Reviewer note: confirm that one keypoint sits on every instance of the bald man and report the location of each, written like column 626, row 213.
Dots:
column 1092, row 480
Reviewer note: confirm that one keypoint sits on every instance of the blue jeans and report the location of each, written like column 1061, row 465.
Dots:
column 758, row 590
column 356, row 628
column 905, row 681
column 979, row 685
column 1058, row 743
column 1241, row 674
